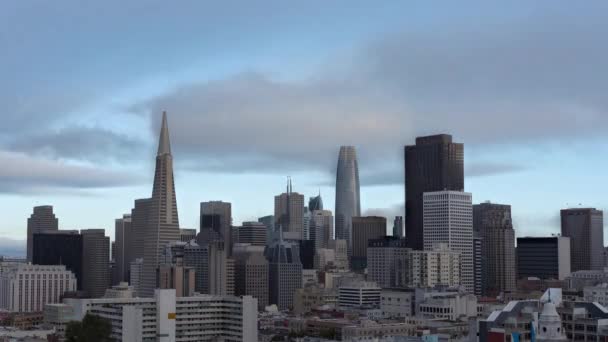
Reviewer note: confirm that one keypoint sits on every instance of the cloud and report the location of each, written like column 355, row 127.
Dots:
column 482, row 169
column 23, row 174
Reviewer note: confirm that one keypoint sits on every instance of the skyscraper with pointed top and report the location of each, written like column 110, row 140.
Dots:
column 348, row 203
column 289, row 214
column 162, row 221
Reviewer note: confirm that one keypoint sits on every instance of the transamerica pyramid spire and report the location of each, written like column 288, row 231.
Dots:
column 164, row 145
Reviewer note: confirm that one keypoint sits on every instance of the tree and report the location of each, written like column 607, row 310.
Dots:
column 91, row 329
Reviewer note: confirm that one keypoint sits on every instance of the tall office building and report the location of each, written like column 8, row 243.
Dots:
column 253, row 233
column 187, row 234
column 585, row 228
column 163, row 222
column 284, row 273
column 479, row 265
column 216, row 223
column 122, row 250
column 268, row 221
column 435, row 163
column 388, row 262
column 59, row 247
column 307, row 234
column 139, row 223
column 439, row 266
column 315, row 203
column 197, row 256
column 42, row 219
column 289, row 214
column 27, row 287
column 448, row 219
column 322, row 223
column 543, row 257
column 398, row 227
column 251, row 273
column 221, row 270
column 348, row 203
column 365, row 229
column 492, row 222
column 95, row 262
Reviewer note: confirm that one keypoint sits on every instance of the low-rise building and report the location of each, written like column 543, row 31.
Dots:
column 397, row 303
column 312, row 296
column 371, row 330
column 448, row 306
column 359, row 294
column 57, row 316
column 122, row 290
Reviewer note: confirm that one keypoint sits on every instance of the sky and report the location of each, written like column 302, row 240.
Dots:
column 258, row 91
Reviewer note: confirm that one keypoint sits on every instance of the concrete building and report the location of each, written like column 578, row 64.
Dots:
column 493, row 223
column 178, row 277
column 448, row 306
column 168, row 318
column 289, row 214
column 187, row 234
column 448, row 219
column 340, row 248
column 374, row 331
column 122, row 290
column 397, row 303
column 363, row 230
column 42, row 219
column 440, row 266
column 543, row 257
column 435, row 163
column 359, row 294
column 95, row 262
column 322, row 223
column 197, row 256
column 139, row 222
column 312, row 296
column 348, row 203
column 59, row 247
column 284, row 274
column 136, row 268
column 221, row 270
column 251, row 273
column 122, row 251
column 478, row 265
column 253, row 233
column 271, row 235
column 398, row 227
column 585, row 228
column 57, row 316
column 388, row 262
column 597, row 293
column 580, row 279
column 162, row 217
column 27, row 287
column 216, row 224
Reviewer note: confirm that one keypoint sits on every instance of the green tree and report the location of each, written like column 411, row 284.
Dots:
column 91, row 329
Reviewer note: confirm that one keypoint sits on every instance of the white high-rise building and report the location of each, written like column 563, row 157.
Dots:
column 168, row 318
column 448, row 218
column 27, row 288
column 441, row 266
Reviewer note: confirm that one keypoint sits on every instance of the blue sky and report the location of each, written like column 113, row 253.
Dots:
column 257, row 91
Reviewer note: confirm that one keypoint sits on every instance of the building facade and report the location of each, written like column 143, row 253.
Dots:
column 95, row 262
column 251, row 273
column 440, row 266
column 448, row 219
column 585, row 228
column 122, row 250
column 284, row 274
column 364, row 229
column 493, row 223
column 434, row 163
column 253, row 233
column 388, row 262
column 216, row 223
column 543, row 257
column 348, row 203
column 322, row 223
column 42, row 219
column 59, row 247
column 289, row 214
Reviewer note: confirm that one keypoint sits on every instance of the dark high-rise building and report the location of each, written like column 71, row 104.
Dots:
column 348, row 203
column 315, row 203
column 543, row 257
column 435, row 163
column 388, row 262
column 251, row 273
column 162, row 220
column 585, row 228
column 59, row 247
column 398, row 227
column 271, row 234
column 122, row 248
column 139, row 222
column 365, row 229
column 253, row 233
column 284, row 273
column 42, row 219
column 492, row 223
column 216, row 223
column 478, row 265
column 95, row 262
column 307, row 254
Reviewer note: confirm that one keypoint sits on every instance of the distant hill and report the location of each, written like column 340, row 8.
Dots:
column 12, row 248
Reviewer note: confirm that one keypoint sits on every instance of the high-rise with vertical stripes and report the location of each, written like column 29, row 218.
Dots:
column 348, row 204
column 162, row 220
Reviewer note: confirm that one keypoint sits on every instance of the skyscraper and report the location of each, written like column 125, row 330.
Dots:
column 95, row 262
column 284, row 273
column 139, row 223
column 435, row 163
column 398, row 227
column 365, row 229
column 315, row 203
column 492, row 222
column 163, row 223
column 388, row 262
column 348, row 203
column 42, row 219
column 216, row 223
column 251, row 273
column 122, row 248
column 585, row 228
column 289, row 214
column 322, row 223
column 448, row 219
column 59, row 247
column 253, row 233
column 543, row 257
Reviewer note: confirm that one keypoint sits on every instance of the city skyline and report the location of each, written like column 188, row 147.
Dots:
column 533, row 130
